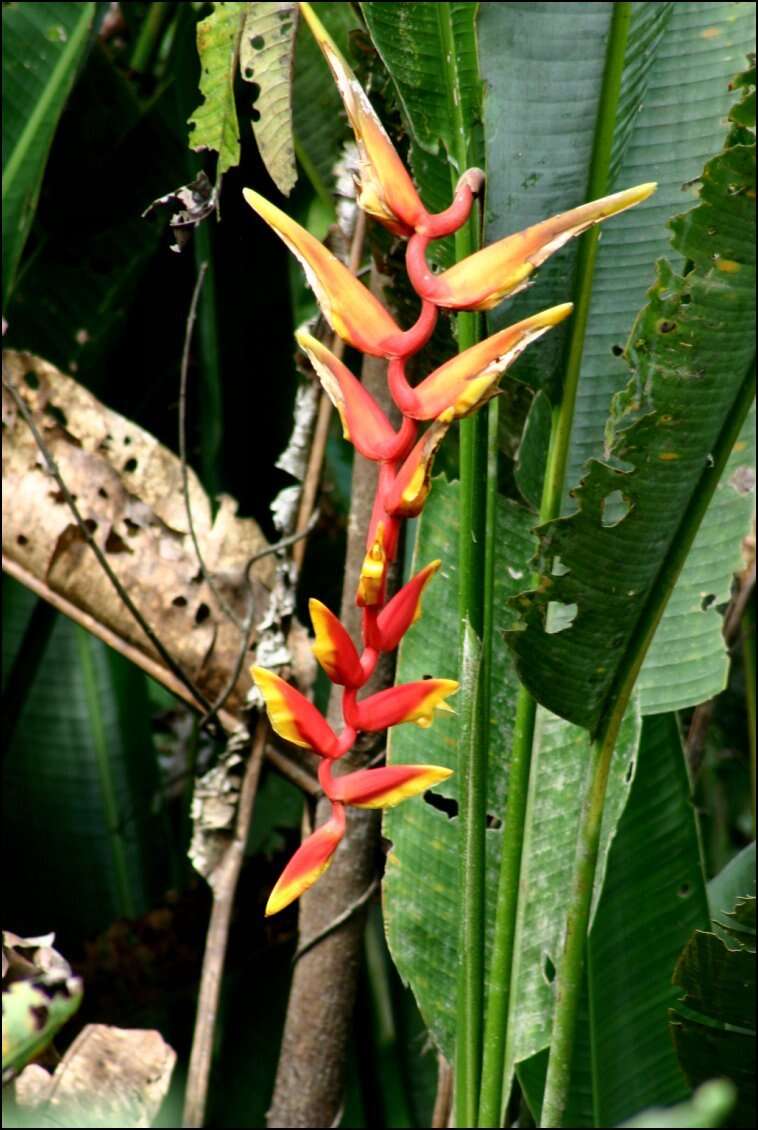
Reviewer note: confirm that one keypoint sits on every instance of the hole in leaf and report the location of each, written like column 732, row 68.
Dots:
column 559, row 617
column 202, row 614
column 617, row 350
column 22, row 539
column 614, row 508
column 666, row 327
column 494, row 821
column 90, row 524
column 127, row 440
column 40, row 1012
column 686, row 299
column 31, row 379
column 708, row 601
column 132, row 528
column 685, row 890
column 114, row 543
column 248, row 72
column 548, row 969
column 131, row 464
column 442, row 803
column 57, row 414
column 257, row 42
column 179, row 602
column 103, row 493
column 629, row 772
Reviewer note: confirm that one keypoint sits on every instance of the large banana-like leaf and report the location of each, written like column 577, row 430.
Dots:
column 79, row 785
column 43, row 45
column 668, row 437
column 538, row 155
column 653, row 898
column 420, row 891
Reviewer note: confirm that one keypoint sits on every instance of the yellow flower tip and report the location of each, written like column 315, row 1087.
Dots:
column 553, row 315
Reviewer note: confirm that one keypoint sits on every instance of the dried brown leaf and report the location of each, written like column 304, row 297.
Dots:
column 127, row 487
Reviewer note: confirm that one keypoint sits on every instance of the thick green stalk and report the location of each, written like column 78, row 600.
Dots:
column 475, row 608
column 497, row 1056
column 569, row 973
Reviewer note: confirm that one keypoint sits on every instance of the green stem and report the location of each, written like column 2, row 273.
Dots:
column 497, row 1052
column 478, row 467
column 149, row 36
column 569, row 974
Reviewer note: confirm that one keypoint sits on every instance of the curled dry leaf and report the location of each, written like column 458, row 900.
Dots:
column 128, row 489
column 108, row 1077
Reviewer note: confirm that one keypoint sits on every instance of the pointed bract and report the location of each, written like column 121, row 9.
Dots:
column 386, row 787
column 292, row 716
column 411, row 487
column 404, row 609
column 363, row 421
column 333, row 647
column 408, row 702
column 309, row 862
column 483, row 279
column 464, row 383
column 386, row 190
column 349, row 308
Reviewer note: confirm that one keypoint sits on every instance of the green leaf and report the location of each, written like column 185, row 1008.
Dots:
column 538, row 164
column 714, row 1025
column 43, row 45
column 319, row 120
column 214, row 123
column 439, row 88
column 735, row 881
column 266, row 49
column 33, row 1011
column 668, row 438
column 709, row 1106
column 421, row 901
column 80, row 783
column 654, row 888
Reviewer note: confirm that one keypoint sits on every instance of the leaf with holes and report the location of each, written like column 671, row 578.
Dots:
column 214, row 123
column 33, row 1011
column 537, row 166
column 713, row 1026
column 266, row 49
column 668, row 438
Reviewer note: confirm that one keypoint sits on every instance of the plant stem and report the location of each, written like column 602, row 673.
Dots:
column 497, row 1053
column 569, row 973
column 476, row 563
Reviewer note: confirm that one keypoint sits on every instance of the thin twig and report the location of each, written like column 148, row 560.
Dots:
column 739, row 602
column 702, row 715
column 223, row 883
column 443, row 1100
column 230, row 722
column 321, row 431
column 190, row 325
column 340, row 920
column 248, row 626
column 52, row 466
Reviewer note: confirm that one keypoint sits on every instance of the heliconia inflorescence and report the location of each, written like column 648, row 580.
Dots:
column 454, row 390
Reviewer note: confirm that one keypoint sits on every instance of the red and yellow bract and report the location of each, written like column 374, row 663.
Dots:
column 455, row 389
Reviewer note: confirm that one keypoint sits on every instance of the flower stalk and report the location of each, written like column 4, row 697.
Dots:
column 455, row 390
